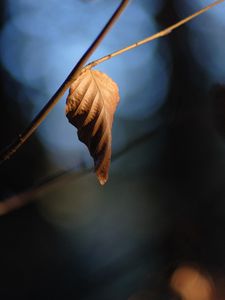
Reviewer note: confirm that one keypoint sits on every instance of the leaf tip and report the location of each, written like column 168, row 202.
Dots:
column 102, row 179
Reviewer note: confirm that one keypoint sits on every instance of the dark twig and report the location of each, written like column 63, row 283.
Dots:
column 61, row 178
column 23, row 137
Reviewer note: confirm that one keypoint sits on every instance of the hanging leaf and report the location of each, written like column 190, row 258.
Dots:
column 90, row 107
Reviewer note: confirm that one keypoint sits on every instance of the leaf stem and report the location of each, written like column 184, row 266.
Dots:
column 22, row 138
column 25, row 135
column 159, row 34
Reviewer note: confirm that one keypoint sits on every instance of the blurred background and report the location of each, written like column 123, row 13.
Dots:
column 164, row 202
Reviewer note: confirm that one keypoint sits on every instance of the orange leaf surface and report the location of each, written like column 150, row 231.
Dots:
column 90, row 107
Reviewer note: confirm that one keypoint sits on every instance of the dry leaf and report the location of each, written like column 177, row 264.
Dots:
column 90, row 107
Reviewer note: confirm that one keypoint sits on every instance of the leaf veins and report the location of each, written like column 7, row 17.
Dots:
column 90, row 107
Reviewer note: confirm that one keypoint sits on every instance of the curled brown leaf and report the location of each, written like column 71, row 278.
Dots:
column 90, row 107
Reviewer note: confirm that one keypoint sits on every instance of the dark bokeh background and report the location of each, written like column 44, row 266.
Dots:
column 164, row 203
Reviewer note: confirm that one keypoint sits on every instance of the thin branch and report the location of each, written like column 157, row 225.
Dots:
column 61, row 178
column 21, row 199
column 23, row 137
column 160, row 34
